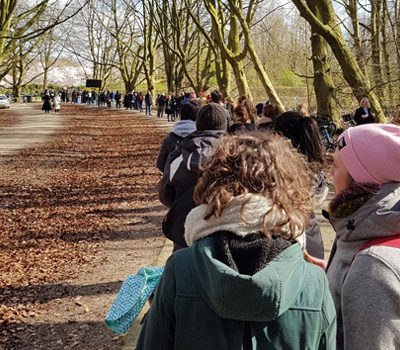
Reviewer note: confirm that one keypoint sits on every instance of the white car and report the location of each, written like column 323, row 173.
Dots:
column 4, row 102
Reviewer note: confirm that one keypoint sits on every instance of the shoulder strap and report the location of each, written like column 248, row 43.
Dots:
column 388, row 241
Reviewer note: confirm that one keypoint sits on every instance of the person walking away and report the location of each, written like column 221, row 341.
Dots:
column 111, row 99
column 140, row 102
column 135, row 101
column 161, row 105
column 118, row 97
column 170, row 107
column 46, row 107
column 304, row 134
column 57, row 103
column 229, row 106
column 251, row 110
column 181, row 129
column 364, row 265
column 269, row 114
column 241, row 122
column 244, row 283
column 181, row 170
column 178, row 104
column 364, row 115
column 217, row 97
column 148, row 101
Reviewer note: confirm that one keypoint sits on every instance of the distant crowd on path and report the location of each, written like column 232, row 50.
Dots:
column 51, row 100
column 242, row 184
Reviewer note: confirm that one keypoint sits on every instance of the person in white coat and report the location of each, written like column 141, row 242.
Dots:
column 57, row 103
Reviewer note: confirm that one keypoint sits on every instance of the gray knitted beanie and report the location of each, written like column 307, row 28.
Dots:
column 212, row 117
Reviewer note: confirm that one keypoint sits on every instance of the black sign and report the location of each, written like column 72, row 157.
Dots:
column 93, row 83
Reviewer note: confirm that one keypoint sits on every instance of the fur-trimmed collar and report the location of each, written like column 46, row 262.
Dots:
column 230, row 220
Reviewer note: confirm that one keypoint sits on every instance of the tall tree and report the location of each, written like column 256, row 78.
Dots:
column 245, row 21
column 24, row 21
column 324, row 87
column 150, row 42
column 332, row 33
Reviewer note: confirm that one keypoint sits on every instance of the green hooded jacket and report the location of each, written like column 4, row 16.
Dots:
column 201, row 303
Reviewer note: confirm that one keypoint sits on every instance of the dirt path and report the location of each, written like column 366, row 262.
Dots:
column 77, row 214
column 32, row 127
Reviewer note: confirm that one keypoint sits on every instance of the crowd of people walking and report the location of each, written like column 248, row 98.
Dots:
column 242, row 184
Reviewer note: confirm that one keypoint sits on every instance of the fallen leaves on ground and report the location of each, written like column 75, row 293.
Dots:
column 59, row 201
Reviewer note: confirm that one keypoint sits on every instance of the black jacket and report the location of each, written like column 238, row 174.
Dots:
column 360, row 120
column 241, row 128
column 179, row 178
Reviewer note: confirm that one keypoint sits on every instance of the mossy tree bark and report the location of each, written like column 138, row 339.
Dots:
column 236, row 8
column 150, row 43
column 331, row 32
column 324, row 87
column 231, row 51
column 223, row 69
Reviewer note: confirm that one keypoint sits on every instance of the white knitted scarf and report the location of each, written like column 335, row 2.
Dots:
column 230, row 220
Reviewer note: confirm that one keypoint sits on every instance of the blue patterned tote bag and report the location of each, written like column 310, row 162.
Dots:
column 131, row 298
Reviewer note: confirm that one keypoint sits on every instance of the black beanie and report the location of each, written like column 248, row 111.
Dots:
column 190, row 109
column 212, row 117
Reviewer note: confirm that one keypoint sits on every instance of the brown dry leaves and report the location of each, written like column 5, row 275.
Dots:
column 59, row 201
column 7, row 117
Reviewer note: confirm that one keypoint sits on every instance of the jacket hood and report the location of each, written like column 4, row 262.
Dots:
column 258, row 298
column 184, row 128
column 378, row 217
column 197, row 145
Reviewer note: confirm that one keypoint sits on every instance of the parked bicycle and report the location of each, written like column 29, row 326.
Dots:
column 347, row 120
column 327, row 129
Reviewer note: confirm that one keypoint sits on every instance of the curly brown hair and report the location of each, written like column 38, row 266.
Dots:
column 264, row 164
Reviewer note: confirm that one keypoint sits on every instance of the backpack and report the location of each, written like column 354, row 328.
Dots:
column 173, row 222
column 165, row 190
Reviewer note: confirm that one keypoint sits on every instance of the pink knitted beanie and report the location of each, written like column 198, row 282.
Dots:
column 371, row 153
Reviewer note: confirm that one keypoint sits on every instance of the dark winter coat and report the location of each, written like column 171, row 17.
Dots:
column 179, row 178
column 170, row 106
column 360, row 120
column 148, row 99
column 46, row 104
column 241, row 128
column 161, row 100
column 201, row 303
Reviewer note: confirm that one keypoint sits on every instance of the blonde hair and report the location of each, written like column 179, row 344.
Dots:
column 264, row 164
column 303, row 109
column 362, row 101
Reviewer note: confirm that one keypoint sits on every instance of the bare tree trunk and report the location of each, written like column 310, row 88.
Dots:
column 262, row 74
column 45, row 78
column 375, row 48
column 332, row 33
column 385, row 53
column 324, row 87
column 359, row 52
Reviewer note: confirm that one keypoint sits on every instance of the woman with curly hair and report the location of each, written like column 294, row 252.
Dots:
column 244, row 283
